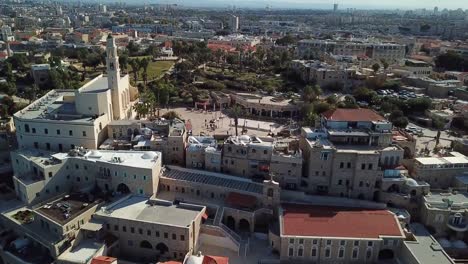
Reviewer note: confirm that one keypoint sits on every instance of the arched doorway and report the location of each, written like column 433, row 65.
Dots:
column 376, row 196
column 123, row 188
column 162, row 248
column 385, row 254
column 231, row 223
column 244, row 225
column 146, row 244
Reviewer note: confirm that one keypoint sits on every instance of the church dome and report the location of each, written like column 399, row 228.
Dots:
column 411, row 182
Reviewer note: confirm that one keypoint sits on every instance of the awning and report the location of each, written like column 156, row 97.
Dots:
column 92, row 225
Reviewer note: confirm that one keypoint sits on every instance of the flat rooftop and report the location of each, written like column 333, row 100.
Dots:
column 325, row 221
column 67, row 208
column 265, row 100
column 56, row 105
column 137, row 159
column 439, row 199
column 456, row 158
column 425, row 248
column 140, row 208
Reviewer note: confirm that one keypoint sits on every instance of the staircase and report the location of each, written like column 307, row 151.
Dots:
column 218, row 216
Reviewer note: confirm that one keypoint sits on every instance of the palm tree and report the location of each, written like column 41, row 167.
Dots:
column 144, row 63
column 236, row 112
column 134, row 64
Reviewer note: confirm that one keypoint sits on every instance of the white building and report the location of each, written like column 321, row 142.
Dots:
column 65, row 119
column 233, row 23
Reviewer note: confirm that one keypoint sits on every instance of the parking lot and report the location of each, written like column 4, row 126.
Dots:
column 427, row 138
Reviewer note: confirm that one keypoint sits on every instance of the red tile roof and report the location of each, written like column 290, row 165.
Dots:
column 224, row 47
column 215, row 260
column 324, row 221
column 103, row 260
column 352, row 115
column 240, row 200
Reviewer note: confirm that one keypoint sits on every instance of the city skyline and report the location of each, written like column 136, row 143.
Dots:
column 319, row 4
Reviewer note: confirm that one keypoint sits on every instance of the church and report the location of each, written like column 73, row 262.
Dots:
column 64, row 119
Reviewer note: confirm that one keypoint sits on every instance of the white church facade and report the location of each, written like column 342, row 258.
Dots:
column 64, row 119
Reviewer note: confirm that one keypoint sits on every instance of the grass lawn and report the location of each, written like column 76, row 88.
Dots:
column 155, row 69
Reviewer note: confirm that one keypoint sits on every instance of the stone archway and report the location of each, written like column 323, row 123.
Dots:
column 123, row 188
column 244, row 225
column 162, row 248
column 146, row 244
column 231, row 222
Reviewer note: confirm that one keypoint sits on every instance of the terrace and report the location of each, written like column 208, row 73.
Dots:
column 67, row 208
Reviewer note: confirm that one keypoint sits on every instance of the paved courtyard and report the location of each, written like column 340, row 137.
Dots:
column 215, row 122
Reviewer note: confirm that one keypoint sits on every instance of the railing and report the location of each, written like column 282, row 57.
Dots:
column 219, row 216
column 235, row 240
column 231, row 233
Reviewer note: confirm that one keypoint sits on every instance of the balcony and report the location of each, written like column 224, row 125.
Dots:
column 458, row 225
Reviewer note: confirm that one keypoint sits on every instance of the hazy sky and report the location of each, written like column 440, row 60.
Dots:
column 429, row 4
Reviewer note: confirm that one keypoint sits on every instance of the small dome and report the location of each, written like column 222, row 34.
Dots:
column 411, row 182
column 95, row 154
column 149, row 155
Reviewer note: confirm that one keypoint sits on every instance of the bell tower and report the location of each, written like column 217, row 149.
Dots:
column 113, row 78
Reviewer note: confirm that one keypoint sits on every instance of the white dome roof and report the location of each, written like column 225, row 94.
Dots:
column 95, row 154
column 149, row 155
column 244, row 138
column 411, row 182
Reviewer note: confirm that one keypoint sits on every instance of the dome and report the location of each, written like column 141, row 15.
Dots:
column 444, row 243
column 459, row 244
column 95, row 154
column 411, row 182
column 150, row 155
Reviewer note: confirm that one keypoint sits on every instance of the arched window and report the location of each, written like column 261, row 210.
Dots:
column 328, row 252
column 313, row 253
column 146, row 244
column 300, row 251
column 355, row 253
column 341, row 252
column 290, row 251
column 369, row 253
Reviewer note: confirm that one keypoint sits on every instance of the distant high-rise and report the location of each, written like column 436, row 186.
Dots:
column 233, row 23
column 436, row 10
column 335, row 7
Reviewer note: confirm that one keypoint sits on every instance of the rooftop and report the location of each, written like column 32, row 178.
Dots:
column 325, row 221
column 425, row 248
column 441, row 200
column 55, row 105
column 97, row 85
column 265, row 100
column 67, row 208
column 353, row 115
column 455, row 158
column 212, row 178
column 137, row 159
column 140, row 208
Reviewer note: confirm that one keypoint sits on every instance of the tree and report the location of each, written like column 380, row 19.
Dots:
column 92, row 60
column 123, row 62
column 451, row 61
column 143, row 64
column 384, row 64
column 311, row 92
column 135, row 65
column 171, row 115
column 364, row 94
column 133, row 48
column 320, row 107
column 398, row 118
column 8, row 88
column 236, row 111
column 376, row 67
column 332, row 99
